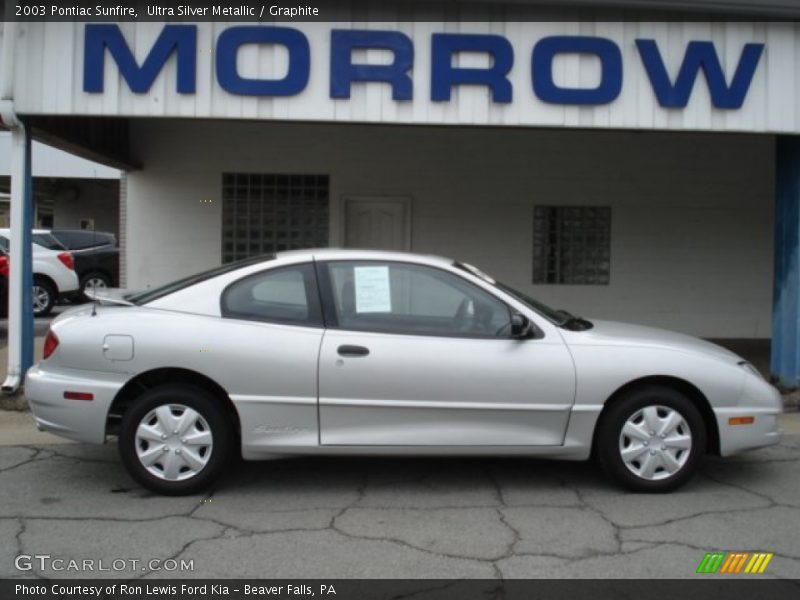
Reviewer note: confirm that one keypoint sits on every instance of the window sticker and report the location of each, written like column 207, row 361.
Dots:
column 373, row 292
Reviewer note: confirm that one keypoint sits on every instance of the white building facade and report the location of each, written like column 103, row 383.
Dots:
column 626, row 170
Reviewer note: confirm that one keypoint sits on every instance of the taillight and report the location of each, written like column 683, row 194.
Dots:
column 50, row 344
column 66, row 258
column 4, row 265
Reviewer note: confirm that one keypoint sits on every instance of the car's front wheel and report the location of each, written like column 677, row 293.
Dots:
column 175, row 439
column 651, row 440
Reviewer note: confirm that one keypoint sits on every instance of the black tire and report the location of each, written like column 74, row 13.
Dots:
column 92, row 277
column 609, row 441
column 209, row 408
column 46, row 294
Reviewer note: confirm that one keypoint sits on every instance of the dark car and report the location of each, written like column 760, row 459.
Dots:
column 96, row 256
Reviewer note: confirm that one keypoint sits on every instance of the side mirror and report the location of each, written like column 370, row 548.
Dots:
column 521, row 327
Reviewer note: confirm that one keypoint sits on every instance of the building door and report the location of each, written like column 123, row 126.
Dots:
column 378, row 223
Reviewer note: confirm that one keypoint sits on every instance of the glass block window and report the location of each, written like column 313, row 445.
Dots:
column 572, row 244
column 266, row 213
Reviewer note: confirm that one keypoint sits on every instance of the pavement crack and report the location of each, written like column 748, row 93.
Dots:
column 175, row 556
column 702, row 513
column 703, row 549
column 362, row 489
column 743, row 488
column 38, row 454
column 516, row 536
column 615, row 527
column 23, row 526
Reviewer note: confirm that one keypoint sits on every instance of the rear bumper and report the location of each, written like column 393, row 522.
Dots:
column 80, row 420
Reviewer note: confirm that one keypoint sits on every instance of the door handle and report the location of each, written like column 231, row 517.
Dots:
column 352, row 350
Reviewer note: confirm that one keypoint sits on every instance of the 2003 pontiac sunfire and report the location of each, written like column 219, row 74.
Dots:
column 364, row 352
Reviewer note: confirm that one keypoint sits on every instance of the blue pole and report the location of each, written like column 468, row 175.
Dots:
column 26, row 356
column 785, row 360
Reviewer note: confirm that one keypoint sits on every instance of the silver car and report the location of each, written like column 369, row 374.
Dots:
column 363, row 352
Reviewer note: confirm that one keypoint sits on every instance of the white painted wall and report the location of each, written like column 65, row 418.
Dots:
column 47, row 161
column 88, row 199
column 692, row 214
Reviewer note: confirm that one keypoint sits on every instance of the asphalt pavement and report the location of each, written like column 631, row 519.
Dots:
column 393, row 518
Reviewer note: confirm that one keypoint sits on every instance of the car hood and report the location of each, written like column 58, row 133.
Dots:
column 624, row 334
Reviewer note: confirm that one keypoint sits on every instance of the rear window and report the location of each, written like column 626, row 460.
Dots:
column 78, row 240
column 47, row 240
column 170, row 288
column 40, row 239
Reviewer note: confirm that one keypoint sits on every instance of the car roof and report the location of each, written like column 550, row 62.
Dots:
column 363, row 254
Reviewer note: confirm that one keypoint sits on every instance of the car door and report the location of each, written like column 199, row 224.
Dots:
column 418, row 355
column 270, row 332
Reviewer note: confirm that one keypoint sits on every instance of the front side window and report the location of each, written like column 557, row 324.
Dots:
column 415, row 300
column 284, row 295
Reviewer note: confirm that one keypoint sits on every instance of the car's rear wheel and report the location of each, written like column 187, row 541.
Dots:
column 94, row 281
column 651, row 440
column 44, row 297
column 175, row 439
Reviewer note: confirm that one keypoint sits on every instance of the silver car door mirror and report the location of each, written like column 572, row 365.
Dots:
column 521, row 327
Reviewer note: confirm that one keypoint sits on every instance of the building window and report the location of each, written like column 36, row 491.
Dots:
column 572, row 244
column 262, row 214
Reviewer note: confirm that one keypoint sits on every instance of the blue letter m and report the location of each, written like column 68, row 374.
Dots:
column 181, row 39
column 699, row 56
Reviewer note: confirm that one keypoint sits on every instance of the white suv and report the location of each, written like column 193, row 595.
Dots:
column 53, row 270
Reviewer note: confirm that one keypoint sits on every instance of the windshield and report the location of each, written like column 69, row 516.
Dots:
column 559, row 317
column 155, row 293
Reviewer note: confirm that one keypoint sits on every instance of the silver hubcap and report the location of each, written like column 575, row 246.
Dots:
column 655, row 442
column 95, row 283
column 173, row 442
column 41, row 298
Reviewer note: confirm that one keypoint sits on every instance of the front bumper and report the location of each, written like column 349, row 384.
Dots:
column 80, row 420
column 759, row 400
column 764, row 431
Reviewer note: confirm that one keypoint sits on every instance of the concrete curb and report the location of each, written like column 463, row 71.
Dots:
column 14, row 402
column 791, row 400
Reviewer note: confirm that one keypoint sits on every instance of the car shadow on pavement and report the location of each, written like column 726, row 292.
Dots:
column 295, row 483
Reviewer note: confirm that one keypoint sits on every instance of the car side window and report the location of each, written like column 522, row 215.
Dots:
column 413, row 299
column 282, row 295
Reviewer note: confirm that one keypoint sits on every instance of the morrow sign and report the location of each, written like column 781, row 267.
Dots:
column 727, row 90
